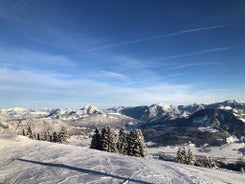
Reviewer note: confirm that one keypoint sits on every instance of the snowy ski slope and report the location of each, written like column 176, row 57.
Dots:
column 23, row 160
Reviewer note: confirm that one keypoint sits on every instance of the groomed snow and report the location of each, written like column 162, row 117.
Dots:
column 28, row 161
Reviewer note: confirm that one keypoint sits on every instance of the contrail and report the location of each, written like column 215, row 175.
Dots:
column 196, row 53
column 193, row 64
column 159, row 37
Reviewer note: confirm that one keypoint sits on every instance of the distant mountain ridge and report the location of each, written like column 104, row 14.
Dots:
column 158, row 111
column 198, row 123
column 161, row 123
column 13, row 120
column 161, row 112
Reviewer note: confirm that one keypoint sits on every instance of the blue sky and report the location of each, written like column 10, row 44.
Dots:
column 108, row 53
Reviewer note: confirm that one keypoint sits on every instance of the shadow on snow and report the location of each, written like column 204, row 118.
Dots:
column 87, row 171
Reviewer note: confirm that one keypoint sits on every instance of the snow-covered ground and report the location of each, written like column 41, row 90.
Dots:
column 29, row 161
column 231, row 152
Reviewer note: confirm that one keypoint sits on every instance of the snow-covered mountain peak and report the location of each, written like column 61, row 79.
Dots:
column 117, row 108
column 91, row 109
column 15, row 109
column 234, row 102
column 231, row 103
column 164, row 106
column 18, row 109
column 65, row 111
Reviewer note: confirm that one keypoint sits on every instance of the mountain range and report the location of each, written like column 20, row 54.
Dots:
column 162, row 124
column 201, row 124
column 77, row 121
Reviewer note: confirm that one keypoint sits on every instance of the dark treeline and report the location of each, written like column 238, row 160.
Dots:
column 60, row 137
column 126, row 143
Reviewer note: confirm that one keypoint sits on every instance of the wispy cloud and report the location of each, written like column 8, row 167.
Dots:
column 48, row 29
column 175, row 75
column 160, row 36
column 30, row 58
column 53, row 91
column 133, row 63
column 193, row 65
column 113, row 75
column 34, row 89
column 217, row 90
column 210, row 95
column 197, row 53
column 29, row 88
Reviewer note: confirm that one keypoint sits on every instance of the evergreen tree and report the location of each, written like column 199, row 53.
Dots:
column 50, row 137
column 209, row 162
column 131, row 143
column 45, row 136
column 140, row 149
column 55, row 137
column 190, row 159
column 104, row 139
column 184, row 155
column 63, row 136
column 38, row 136
column 23, row 132
column 136, row 145
column 122, row 143
column 181, row 156
column 34, row 135
column 96, row 140
column 108, row 140
column 30, row 132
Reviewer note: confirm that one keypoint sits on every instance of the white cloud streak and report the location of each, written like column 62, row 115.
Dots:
column 193, row 65
column 175, row 75
column 133, row 63
column 113, row 75
column 32, row 89
column 160, row 37
column 197, row 53
column 29, row 57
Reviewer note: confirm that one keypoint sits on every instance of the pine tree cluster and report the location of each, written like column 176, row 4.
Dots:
column 184, row 157
column 209, row 162
column 126, row 143
column 60, row 137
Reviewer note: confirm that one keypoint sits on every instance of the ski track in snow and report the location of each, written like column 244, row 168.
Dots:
column 25, row 161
